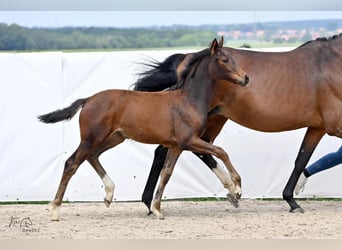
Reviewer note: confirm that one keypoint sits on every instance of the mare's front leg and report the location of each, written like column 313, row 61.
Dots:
column 169, row 164
column 311, row 139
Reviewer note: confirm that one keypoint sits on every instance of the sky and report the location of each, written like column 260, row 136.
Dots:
column 173, row 5
column 126, row 19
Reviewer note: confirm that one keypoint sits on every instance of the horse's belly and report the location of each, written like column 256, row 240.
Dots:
column 266, row 121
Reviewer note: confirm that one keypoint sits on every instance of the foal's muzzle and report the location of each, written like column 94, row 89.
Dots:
column 245, row 82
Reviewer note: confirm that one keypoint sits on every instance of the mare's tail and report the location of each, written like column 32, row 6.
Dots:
column 63, row 114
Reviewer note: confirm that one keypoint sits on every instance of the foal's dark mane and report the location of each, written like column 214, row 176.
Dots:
column 163, row 75
column 321, row 39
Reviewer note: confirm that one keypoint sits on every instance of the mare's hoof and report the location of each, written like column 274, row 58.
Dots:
column 233, row 200
column 148, row 205
column 107, row 202
column 297, row 210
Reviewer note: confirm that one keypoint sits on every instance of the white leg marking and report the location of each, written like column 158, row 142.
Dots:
column 300, row 184
column 238, row 190
column 224, row 178
column 54, row 210
column 109, row 188
column 157, row 212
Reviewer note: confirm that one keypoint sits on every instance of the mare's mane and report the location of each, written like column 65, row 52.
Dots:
column 163, row 75
column 321, row 39
column 160, row 75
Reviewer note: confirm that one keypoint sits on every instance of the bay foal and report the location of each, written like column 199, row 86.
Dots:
column 175, row 119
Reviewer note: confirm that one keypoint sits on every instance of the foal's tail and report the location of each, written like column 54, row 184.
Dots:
column 63, row 114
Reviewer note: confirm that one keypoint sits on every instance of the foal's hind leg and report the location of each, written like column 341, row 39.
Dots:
column 107, row 181
column 70, row 168
column 93, row 159
column 169, row 164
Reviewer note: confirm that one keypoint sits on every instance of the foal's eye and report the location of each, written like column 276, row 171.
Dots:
column 225, row 61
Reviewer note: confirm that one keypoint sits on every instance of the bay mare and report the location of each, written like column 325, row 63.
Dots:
column 174, row 119
column 287, row 91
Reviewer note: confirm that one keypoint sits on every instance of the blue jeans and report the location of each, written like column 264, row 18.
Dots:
column 328, row 161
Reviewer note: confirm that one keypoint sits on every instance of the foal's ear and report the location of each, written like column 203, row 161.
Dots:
column 213, row 46
column 220, row 44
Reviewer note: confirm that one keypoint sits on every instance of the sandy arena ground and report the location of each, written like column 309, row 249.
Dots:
column 254, row 219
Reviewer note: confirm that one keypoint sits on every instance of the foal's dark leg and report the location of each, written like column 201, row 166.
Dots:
column 157, row 165
column 311, row 139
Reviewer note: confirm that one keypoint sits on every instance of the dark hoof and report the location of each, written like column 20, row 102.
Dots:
column 107, row 202
column 238, row 196
column 233, row 200
column 149, row 212
column 297, row 210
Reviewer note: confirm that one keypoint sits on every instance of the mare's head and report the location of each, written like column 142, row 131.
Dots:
column 222, row 65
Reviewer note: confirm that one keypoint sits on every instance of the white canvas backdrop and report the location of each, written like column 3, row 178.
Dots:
column 33, row 153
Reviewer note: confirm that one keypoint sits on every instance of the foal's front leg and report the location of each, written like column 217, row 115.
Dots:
column 169, row 164
column 232, row 182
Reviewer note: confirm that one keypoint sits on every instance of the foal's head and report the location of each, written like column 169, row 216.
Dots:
column 223, row 66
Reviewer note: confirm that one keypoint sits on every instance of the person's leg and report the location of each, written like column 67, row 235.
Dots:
column 328, row 161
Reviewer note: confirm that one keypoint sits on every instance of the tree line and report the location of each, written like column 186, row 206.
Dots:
column 15, row 37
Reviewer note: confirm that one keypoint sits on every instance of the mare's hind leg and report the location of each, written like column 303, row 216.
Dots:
column 93, row 159
column 157, row 165
column 232, row 182
column 169, row 164
column 70, row 168
column 311, row 139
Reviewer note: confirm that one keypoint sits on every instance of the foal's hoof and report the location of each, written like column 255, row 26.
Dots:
column 54, row 210
column 238, row 196
column 107, row 202
column 233, row 200
column 157, row 213
column 297, row 210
